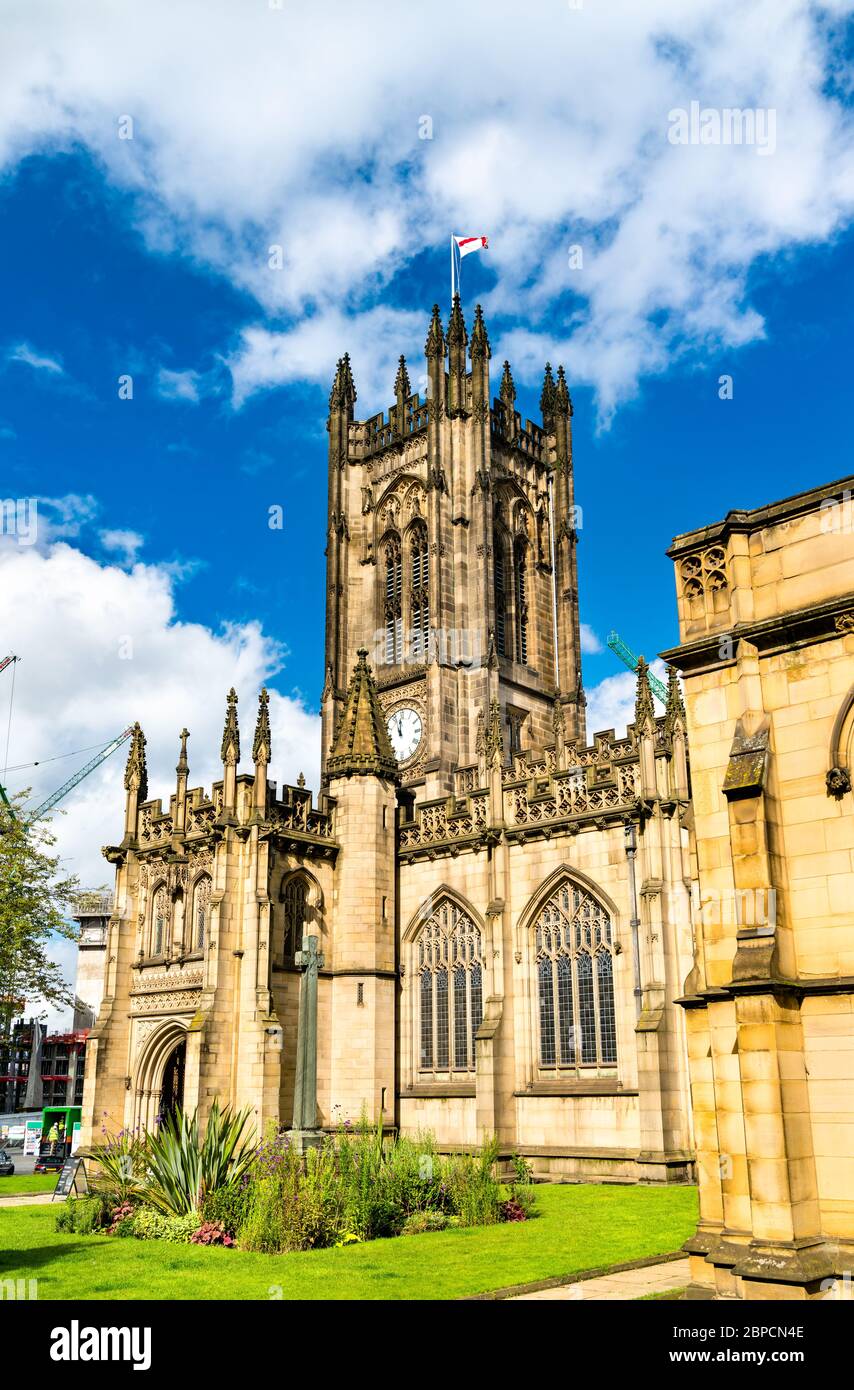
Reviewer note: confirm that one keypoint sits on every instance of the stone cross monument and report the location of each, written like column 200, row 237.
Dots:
column 305, row 1132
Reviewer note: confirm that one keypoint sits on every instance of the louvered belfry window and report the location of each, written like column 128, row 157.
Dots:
column 393, row 601
column 419, row 579
column 499, row 582
column 521, row 576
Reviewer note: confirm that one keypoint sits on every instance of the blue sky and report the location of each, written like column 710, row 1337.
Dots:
column 195, row 478
column 150, row 256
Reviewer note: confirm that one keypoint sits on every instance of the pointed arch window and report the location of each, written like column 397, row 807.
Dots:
column 393, row 609
column 419, row 592
column 159, row 919
column 449, row 989
column 201, row 913
column 520, row 573
column 575, row 981
column 295, row 904
column 499, row 577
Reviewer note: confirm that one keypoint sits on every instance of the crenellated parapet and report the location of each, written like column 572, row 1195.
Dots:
column 564, row 789
column 294, row 817
column 239, row 802
column 366, row 438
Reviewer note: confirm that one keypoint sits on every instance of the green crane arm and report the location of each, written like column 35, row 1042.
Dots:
column 78, row 776
column 627, row 656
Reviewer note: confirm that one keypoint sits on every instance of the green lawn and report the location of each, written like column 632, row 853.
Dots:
column 27, row 1182
column 578, row 1228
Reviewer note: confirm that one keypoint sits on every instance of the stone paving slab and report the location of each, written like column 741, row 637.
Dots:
column 628, row 1284
column 25, row 1199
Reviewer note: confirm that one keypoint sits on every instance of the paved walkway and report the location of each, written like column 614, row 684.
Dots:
column 628, row 1284
column 25, row 1199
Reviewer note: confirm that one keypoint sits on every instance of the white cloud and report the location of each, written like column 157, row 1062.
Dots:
column 375, row 339
column 126, row 543
column 63, row 518
column 178, row 386
column 39, row 361
column 590, row 643
column 256, row 128
column 611, row 703
column 128, row 659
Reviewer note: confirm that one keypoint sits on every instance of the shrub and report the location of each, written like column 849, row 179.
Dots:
column 298, row 1204
column 523, row 1170
column 228, row 1206
column 120, row 1165
column 150, row 1224
column 383, row 1182
column 421, row 1221
column 474, row 1192
column 262, row 1228
column 211, row 1233
column 511, row 1210
column 524, row 1198
column 348, row 1238
column 83, row 1215
column 121, row 1223
column 182, row 1167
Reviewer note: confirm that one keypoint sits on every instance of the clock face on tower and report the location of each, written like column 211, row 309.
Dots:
column 404, row 730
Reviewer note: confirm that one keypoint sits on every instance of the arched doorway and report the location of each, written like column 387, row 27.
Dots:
column 172, row 1092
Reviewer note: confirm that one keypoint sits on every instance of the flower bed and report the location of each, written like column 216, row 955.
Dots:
column 217, row 1189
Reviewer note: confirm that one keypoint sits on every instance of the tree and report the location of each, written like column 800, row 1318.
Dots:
column 34, row 903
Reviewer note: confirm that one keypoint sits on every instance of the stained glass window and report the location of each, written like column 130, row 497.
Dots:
column 296, row 894
column 450, row 989
column 573, row 944
column 201, row 910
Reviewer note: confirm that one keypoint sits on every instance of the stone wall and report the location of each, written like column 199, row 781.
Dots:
column 766, row 604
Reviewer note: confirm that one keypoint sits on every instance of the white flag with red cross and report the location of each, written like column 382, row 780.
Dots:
column 467, row 244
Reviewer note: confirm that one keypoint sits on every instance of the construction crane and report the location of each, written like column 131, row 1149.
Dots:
column 100, row 757
column 8, row 661
column 78, row 776
column 627, row 656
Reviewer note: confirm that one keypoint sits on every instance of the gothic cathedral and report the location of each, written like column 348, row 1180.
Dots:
column 481, row 924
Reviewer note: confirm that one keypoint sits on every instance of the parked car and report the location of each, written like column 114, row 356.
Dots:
column 7, row 1167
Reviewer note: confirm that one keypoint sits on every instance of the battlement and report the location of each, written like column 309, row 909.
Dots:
column 451, row 390
column 379, row 432
column 560, row 789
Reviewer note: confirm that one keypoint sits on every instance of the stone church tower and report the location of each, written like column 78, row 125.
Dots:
column 492, row 913
column 452, row 557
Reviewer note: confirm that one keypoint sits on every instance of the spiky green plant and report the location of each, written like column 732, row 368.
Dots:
column 183, row 1167
column 120, row 1164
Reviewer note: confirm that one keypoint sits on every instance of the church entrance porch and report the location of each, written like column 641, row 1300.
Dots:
column 159, row 1085
column 172, row 1093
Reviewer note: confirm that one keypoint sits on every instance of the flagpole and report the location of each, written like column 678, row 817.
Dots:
column 452, row 271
